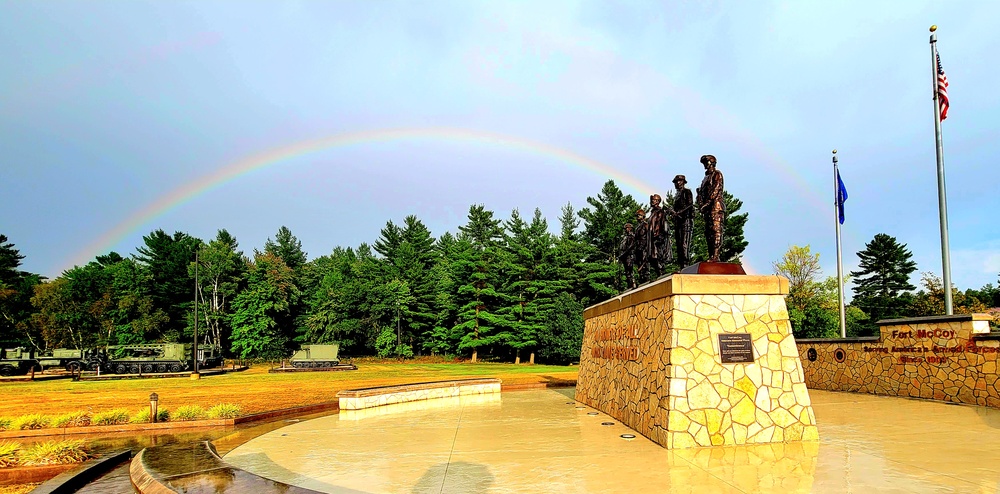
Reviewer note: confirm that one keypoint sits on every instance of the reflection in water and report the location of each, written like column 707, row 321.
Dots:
column 457, row 477
column 541, row 441
column 454, row 402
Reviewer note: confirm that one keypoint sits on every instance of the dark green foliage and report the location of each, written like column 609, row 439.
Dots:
column 561, row 339
column 258, row 310
column 604, row 221
column 500, row 290
column 167, row 259
column 220, row 272
column 882, row 282
column 286, row 247
column 16, row 290
column 477, row 273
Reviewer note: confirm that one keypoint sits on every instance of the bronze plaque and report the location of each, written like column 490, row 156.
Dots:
column 735, row 348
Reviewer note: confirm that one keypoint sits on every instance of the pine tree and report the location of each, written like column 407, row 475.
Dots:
column 286, row 247
column 529, row 285
column 16, row 290
column 882, row 283
column 476, row 259
column 167, row 259
column 604, row 224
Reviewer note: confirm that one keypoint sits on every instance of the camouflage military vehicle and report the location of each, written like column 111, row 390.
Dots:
column 17, row 361
column 316, row 356
column 160, row 357
column 147, row 358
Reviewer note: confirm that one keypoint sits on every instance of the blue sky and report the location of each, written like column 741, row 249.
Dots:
column 107, row 106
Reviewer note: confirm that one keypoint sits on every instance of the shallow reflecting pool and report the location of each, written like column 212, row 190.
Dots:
column 543, row 441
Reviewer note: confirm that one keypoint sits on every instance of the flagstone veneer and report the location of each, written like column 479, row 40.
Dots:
column 947, row 358
column 651, row 359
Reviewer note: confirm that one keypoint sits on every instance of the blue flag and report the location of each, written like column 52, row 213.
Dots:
column 841, row 197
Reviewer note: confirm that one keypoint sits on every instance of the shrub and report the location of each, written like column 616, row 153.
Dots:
column 74, row 419
column 53, row 453
column 4, row 423
column 8, row 453
column 224, row 411
column 31, row 421
column 117, row 416
column 142, row 416
column 189, row 412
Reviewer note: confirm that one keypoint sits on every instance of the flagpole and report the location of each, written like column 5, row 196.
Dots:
column 840, row 256
column 942, row 198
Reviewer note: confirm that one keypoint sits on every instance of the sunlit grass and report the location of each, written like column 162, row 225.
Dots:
column 253, row 390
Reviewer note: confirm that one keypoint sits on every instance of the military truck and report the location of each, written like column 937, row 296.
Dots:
column 17, row 361
column 70, row 359
column 316, row 356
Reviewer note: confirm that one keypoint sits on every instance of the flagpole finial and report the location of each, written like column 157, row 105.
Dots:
column 834, row 151
column 934, row 28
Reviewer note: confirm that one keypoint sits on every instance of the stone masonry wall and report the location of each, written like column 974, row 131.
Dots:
column 651, row 359
column 946, row 358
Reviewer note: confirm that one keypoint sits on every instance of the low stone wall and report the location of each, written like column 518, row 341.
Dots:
column 946, row 358
column 357, row 399
column 653, row 359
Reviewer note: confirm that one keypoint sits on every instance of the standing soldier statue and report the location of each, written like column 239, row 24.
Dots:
column 641, row 244
column 711, row 206
column 659, row 237
column 626, row 254
column 682, row 218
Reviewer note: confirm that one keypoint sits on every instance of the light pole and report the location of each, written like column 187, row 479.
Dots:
column 196, row 280
column 153, row 399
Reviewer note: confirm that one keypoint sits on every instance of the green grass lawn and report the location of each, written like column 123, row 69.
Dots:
column 255, row 390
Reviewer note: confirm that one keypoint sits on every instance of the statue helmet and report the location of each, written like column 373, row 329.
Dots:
column 628, row 226
column 708, row 157
column 680, row 178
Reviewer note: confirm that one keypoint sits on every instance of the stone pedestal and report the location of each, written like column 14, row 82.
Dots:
column 652, row 359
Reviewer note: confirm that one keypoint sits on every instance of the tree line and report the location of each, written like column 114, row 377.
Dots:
column 881, row 286
column 503, row 289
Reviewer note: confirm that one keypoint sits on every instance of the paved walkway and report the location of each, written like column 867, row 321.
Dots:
column 534, row 441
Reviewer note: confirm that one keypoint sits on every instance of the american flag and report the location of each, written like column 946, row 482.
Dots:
column 942, row 88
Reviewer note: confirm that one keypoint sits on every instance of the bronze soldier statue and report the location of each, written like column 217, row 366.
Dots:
column 711, row 206
column 641, row 244
column 659, row 237
column 626, row 254
column 682, row 218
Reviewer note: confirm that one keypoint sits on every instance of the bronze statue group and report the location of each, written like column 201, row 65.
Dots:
column 647, row 246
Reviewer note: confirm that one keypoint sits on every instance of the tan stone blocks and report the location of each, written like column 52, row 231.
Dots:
column 701, row 401
column 942, row 358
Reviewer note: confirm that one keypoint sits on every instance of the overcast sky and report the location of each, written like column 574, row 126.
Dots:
column 109, row 111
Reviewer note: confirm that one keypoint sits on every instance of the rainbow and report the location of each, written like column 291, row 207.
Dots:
column 175, row 198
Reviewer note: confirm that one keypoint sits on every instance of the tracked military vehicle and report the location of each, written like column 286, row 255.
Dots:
column 316, row 356
column 159, row 357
